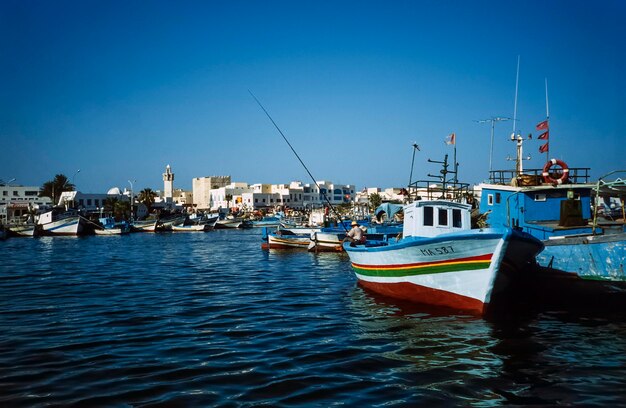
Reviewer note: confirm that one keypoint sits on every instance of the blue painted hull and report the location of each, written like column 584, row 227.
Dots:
column 601, row 257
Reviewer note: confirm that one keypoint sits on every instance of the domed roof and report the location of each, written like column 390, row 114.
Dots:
column 114, row 191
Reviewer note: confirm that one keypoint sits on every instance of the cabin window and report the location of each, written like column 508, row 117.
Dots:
column 428, row 216
column 490, row 199
column 498, row 198
column 443, row 216
column 456, row 218
column 540, row 197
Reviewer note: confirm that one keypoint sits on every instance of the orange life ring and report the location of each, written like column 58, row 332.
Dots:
column 564, row 172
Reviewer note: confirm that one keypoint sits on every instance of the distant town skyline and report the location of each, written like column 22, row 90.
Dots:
column 119, row 90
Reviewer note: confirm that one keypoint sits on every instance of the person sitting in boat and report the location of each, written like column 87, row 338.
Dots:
column 355, row 235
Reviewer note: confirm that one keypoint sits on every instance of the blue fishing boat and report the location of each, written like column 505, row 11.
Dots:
column 440, row 259
column 584, row 254
column 111, row 227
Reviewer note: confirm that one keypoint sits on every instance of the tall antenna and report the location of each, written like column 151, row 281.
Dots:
column 516, row 87
column 547, row 109
column 415, row 147
column 493, row 125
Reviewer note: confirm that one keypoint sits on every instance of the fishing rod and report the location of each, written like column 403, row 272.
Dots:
column 301, row 162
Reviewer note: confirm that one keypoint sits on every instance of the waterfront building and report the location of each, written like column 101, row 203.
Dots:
column 230, row 196
column 91, row 202
column 336, row 193
column 17, row 201
column 201, row 190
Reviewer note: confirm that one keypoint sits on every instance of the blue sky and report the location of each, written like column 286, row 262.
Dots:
column 120, row 89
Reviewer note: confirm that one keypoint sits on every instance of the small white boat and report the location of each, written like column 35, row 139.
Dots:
column 227, row 223
column 191, row 228
column 110, row 227
column 64, row 224
column 24, row 230
column 150, row 225
column 111, row 231
column 282, row 239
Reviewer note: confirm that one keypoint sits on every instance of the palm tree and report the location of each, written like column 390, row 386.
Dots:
column 121, row 210
column 375, row 200
column 147, row 196
column 109, row 204
column 55, row 187
column 228, row 198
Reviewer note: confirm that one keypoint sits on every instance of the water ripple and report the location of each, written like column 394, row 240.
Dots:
column 210, row 319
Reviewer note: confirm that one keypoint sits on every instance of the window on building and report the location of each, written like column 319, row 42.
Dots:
column 32, row 193
column 15, row 193
column 442, row 216
column 428, row 216
column 256, row 200
column 5, row 193
column 81, row 202
column 456, row 218
column 89, row 201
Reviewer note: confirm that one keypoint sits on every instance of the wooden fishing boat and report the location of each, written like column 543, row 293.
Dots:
column 584, row 258
column 284, row 239
column 440, row 260
column 55, row 223
column 110, row 227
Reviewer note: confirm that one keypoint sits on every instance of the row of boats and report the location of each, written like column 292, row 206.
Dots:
column 534, row 236
column 60, row 222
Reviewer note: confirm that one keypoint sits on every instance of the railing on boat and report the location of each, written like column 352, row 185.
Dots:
column 577, row 175
column 428, row 190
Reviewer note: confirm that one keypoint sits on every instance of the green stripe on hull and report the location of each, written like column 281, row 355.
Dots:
column 428, row 270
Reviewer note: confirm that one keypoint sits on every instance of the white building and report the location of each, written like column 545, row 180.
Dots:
column 16, row 201
column 168, row 185
column 91, row 202
column 230, row 196
column 201, row 190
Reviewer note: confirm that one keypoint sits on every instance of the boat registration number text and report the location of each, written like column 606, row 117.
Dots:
column 438, row 251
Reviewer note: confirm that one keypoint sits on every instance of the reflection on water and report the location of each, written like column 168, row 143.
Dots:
column 211, row 319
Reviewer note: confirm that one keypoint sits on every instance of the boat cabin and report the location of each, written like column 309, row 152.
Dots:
column 541, row 211
column 429, row 218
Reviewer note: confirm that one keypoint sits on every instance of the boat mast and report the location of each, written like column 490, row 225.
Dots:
column 516, row 88
column 415, row 147
column 547, row 120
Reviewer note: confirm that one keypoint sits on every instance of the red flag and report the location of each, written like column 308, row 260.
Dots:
column 543, row 148
column 542, row 125
column 544, row 135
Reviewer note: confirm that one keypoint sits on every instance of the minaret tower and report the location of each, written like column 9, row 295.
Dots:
column 168, row 185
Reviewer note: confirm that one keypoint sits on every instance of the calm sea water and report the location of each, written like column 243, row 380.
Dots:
column 210, row 319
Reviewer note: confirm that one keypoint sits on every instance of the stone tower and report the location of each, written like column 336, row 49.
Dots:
column 168, row 185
